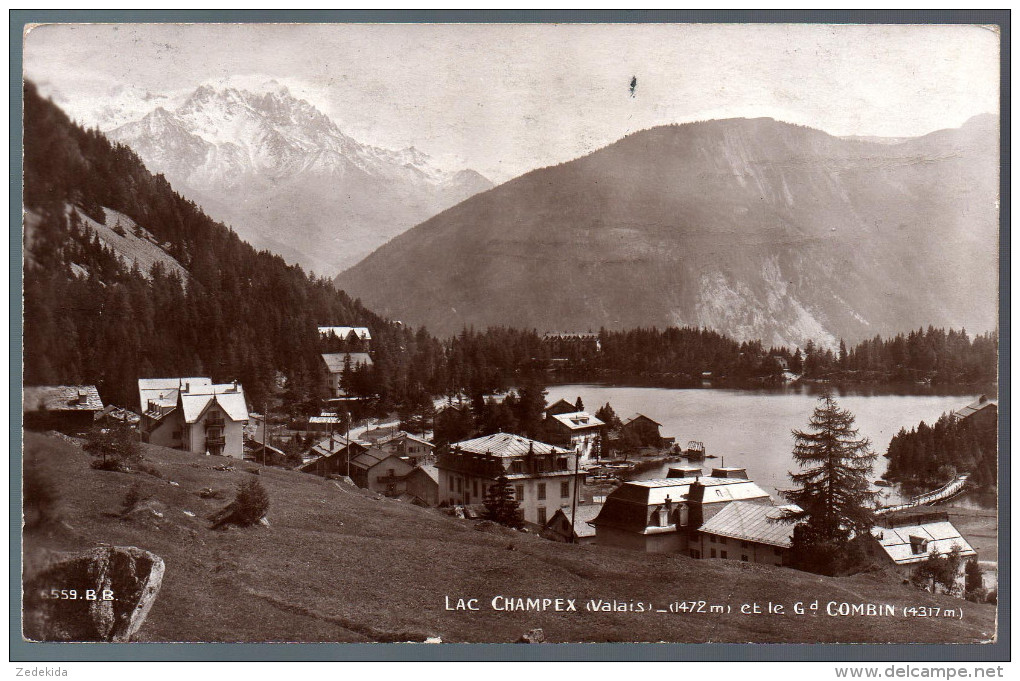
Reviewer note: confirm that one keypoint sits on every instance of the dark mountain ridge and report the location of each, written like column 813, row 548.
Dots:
column 757, row 228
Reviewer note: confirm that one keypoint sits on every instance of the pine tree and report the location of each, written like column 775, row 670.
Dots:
column 835, row 495
column 501, row 506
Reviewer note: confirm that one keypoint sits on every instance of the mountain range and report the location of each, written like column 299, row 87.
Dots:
column 286, row 177
column 753, row 227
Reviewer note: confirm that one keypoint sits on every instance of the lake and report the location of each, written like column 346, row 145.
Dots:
column 752, row 428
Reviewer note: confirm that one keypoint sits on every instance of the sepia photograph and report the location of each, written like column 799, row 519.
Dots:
column 411, row 332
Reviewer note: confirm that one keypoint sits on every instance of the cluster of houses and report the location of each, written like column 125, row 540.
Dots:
column 721, row 515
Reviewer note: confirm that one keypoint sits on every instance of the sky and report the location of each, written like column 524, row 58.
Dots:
column 504, row 99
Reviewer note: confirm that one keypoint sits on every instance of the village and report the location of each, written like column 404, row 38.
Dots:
column 573, row 486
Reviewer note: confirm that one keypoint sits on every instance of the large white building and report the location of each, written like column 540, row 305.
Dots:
column 541, row 474
column 194, row 414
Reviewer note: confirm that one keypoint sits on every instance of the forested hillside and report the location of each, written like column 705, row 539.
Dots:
column 239, row 313
column 245, row 314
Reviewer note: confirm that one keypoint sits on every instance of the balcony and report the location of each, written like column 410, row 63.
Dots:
column 215, row 441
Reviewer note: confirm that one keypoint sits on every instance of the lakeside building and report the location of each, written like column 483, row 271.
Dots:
column 337, row 362
column 69, row 409
column 541, row 474
column 983, row 411
column 577, row 430
column 748, row 531
column 572, row 345
column 906, row 538
column 667, row 515
column 194, row 414
column 644, row 429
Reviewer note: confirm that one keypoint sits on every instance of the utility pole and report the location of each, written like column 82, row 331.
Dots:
column 265, row 427
column 573, row 506
column 348, row 445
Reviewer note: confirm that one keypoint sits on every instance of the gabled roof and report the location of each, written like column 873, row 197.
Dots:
column 401, row 435
column 164, row 391
column 638, row 417
column 976, row 406
column 197, row 399
column 941, row 536
column 505, row 445
column 752, row 522
column 344, row 331
column 332, row 445
column 431, row 471
column 373, row 457
column 61, row 398
column 582, row 519
column 561, row 403
column 578, row 420
column 335, row 360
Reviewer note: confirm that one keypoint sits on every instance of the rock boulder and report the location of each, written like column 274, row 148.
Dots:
column 113, row 589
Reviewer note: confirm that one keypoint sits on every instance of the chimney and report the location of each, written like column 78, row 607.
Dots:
column 83, row 397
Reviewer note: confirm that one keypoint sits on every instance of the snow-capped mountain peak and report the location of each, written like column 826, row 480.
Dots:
column 232, row 148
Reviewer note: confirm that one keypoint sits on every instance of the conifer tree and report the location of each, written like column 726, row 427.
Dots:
column 835, row 495
column 501, row 506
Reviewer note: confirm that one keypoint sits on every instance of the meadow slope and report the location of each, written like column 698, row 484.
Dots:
column 339, row 564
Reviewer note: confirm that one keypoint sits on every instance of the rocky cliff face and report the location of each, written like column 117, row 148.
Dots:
column 287, row 178
column 756, row 228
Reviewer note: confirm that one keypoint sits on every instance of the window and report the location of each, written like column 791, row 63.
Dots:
column 564, row 489
column 722, row 540
column 541, row 516
column 713, row 553
column 561, row 464
column 541, row 491
column 391, row 472
column 722, row 554
column 519, row 489
column 743, row 558
column 460, row 485
column 517, row 467
column 711, row 538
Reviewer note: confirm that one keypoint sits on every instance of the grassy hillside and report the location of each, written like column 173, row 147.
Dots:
column 338, row 564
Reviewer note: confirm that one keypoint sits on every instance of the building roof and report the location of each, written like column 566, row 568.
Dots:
column 558, row 335
column 629, row 505
column 401, row 434
column 974, row 407
column 61, row 398
column 941, row 536
column 578, row 420
column 431, row 471
column 505, row 445
column 118, row 414
column 373, row 457
column 335, row 361
column 163, row 391
column 344, row 331
column 331, row 445
column 332, row 418
column 582, row 520
column 653, row 492
column 752, row 522
column 638, row 417
column 561, row 403
column 229, row 396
